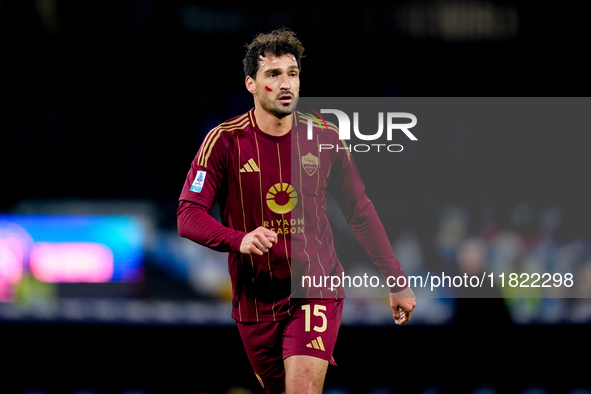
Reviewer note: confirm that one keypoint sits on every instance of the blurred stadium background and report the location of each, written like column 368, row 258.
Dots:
column 104, row 105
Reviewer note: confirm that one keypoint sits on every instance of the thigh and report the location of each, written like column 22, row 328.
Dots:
column 312, row 329
column 304, row 374
column 262, row 342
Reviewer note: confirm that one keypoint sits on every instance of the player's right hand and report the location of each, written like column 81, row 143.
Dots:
column 258, row 241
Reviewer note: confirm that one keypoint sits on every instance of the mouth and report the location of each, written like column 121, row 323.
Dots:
column 285, row 98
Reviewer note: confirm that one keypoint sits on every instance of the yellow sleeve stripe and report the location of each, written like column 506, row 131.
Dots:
column 251, row 119
column 212, row 133
column 213, row 136
column 219, row 133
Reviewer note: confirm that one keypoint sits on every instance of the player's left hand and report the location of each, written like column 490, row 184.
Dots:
column 403, row 303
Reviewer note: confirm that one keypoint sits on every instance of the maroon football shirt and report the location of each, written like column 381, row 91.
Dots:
column 279, row 183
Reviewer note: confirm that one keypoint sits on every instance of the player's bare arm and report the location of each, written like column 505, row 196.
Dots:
column 403, row 303
column 258, row 241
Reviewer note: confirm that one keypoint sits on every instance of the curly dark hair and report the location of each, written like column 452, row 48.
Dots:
column 278, row 42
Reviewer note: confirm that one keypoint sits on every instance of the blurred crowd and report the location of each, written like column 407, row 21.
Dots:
column 527, row 242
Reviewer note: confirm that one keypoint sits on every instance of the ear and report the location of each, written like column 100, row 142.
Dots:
column 250, row 85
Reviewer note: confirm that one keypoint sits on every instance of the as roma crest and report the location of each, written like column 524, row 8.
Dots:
column 310, row 163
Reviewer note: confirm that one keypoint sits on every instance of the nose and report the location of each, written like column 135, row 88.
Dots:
column 285, row 83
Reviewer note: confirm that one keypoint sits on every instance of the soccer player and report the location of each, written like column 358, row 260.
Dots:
column 270, row 182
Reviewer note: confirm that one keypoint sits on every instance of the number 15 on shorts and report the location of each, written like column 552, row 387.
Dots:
column 318, row 311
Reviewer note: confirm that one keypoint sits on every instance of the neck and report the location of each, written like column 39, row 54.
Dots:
column 271, row 124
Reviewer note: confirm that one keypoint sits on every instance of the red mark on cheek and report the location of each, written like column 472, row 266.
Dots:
column 268, row 89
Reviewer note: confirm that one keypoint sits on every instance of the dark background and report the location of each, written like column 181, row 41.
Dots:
column 110, row 100
column 113, row 100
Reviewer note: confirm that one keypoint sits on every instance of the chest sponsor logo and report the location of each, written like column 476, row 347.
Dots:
column 198, row 182
column 310, row 164
column 282, row 198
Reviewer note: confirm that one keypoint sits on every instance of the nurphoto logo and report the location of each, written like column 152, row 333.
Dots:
column 344, row 127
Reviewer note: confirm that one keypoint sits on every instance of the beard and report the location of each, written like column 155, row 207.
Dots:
column 276, row 108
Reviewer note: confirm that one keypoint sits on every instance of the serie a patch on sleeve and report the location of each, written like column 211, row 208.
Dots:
column 198, row 182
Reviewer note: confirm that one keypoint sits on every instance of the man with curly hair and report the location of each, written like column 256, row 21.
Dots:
column 270, row 182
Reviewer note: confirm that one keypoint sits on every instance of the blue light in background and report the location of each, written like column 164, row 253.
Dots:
column 124, row 235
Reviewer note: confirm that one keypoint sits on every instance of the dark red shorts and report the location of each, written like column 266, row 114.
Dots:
column 311, row 330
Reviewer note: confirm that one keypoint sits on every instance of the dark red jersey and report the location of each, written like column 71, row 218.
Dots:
column 279, row 183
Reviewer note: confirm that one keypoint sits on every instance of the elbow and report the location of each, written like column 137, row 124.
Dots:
column 182, row 231
column 189, row 216
column 181, row 221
